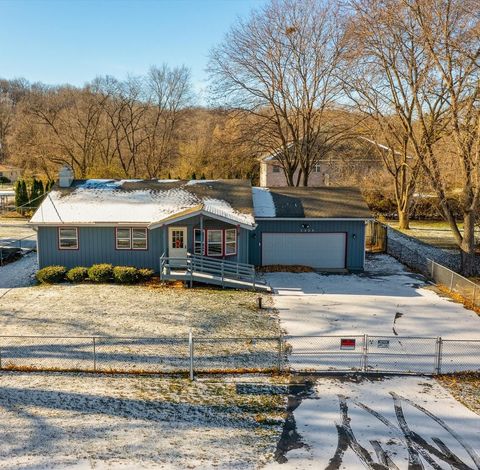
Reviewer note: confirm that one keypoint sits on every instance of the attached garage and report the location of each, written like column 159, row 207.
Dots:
column 319, row 250
column 323, row 228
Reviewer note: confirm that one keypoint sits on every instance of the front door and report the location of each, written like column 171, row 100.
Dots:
column 177, row 242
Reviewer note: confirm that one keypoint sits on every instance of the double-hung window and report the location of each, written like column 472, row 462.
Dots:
column 214, row 242
column 68, row 238
column 230, row 242
column 127, row 238
column 276, row 169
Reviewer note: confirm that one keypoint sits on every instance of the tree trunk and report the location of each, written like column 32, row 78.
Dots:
column 403, row 219
column 467, row 247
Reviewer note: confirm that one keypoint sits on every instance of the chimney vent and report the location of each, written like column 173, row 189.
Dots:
column 65, row 176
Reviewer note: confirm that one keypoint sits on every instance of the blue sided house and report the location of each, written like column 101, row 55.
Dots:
column 201, row 230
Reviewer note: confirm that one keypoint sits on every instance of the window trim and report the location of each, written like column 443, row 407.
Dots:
column 130, row 237
column 317, row 168
column 59, row 238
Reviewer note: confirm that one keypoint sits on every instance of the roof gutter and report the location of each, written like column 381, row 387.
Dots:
column 320, row 219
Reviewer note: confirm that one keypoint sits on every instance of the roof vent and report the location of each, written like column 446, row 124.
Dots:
column 65, row 176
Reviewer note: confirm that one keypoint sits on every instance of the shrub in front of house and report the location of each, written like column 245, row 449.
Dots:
column 125, row 274
column 78, row 274
column 144, row 274
column 100, row 272
column 51, row 274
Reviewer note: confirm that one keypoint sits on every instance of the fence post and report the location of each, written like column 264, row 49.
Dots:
column 280, row 348
column 365, row 353
column 433, row 269
column 439, row 356
column 474, row 293
column 451, row 282
column 94, row 356
column 190, row 348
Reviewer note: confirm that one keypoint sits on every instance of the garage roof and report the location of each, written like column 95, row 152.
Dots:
column 312, row 203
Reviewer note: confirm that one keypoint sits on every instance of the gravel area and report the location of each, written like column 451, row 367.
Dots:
column 86, row 421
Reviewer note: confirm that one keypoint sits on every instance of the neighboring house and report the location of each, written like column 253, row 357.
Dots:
column 10, row 173
column 135, row 222
column 272, row 175
column 349, row 161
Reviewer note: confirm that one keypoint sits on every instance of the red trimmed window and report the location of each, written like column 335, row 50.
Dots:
column 216, row 242
column 131, row 238
column 67, row 238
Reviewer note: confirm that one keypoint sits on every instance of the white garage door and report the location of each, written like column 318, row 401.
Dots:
column 319, row 250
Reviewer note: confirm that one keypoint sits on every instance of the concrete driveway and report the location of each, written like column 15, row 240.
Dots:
column 384, row 300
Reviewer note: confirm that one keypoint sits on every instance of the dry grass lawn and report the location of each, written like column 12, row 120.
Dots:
column 114, row 310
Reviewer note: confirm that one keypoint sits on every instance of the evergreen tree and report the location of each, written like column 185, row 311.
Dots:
column 36, row 193
column 169, row 176
column 194, row 176
column 21, row 196
column 203, row 177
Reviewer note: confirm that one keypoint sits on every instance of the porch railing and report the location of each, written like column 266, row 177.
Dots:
column 220, row 268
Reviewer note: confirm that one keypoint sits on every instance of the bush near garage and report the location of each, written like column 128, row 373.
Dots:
column 78, row 274
column 51, row 274
column 100, row 272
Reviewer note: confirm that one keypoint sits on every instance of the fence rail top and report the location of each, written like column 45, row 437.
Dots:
column 241, row 338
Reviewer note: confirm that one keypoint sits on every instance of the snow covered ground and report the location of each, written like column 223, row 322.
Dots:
column 400, row 313
column 391, row 423
column 385, row 300
column 150, row 325
column 95, row 422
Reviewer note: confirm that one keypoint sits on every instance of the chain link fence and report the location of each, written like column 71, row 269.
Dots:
column 141, row 355
column 348, row 353
column 381, row 354
column 455, row 282
column 414, row 259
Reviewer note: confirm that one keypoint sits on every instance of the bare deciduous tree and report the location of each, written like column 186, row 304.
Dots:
column 281, row 65
column 418, row 61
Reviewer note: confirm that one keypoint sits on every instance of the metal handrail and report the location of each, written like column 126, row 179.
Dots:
column 222, row 268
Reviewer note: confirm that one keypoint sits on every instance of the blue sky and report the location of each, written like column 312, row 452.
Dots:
column 72, row 41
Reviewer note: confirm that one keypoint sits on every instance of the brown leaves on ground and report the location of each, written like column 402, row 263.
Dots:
column 464, row 387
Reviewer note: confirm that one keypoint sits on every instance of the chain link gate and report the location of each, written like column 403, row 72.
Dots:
column 370, row 353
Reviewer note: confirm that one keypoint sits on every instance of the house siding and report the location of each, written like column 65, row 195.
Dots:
column 97, row 245
column 355, row 255
column 268, row 178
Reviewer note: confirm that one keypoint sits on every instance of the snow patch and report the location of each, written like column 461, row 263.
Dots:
column 263, row 204
column 192, row 182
